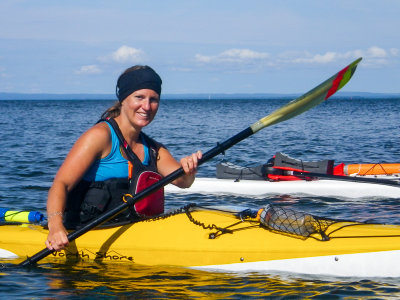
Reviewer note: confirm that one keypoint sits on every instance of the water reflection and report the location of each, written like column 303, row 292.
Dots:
column 122, row 280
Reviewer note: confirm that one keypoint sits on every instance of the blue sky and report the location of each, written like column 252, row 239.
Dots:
column 225, row 46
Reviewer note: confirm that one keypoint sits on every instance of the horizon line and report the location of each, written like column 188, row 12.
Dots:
column 178, row 96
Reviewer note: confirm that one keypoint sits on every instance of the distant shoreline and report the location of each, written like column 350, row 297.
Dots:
column 220, row 96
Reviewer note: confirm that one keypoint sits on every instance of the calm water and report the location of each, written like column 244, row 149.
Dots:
column 36, row 136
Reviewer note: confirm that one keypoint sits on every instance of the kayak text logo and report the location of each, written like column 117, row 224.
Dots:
column 86, row 254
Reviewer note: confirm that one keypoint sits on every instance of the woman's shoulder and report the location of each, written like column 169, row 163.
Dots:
column 100, row 130
column 98, row 136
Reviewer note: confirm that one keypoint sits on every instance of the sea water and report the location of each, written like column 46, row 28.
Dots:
column 36, row 135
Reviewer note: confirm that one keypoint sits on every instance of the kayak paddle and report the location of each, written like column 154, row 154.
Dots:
column 296, row 107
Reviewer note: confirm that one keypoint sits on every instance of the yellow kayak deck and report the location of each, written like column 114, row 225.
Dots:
column 203, row 237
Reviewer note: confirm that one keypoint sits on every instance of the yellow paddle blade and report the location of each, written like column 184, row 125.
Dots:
column 314, row 97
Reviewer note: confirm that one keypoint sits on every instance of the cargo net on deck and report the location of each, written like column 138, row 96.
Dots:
column 293, row 223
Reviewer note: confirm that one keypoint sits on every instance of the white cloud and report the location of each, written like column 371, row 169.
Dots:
column 89, row 69
column 243, row 54
column 394, row 51
column 317, row 58
column 376, row 52
column 376, row 56
column 203, row 58
column 123, row 54
column 240, row 59
column 127, row 54
column 233, row 56
column 372, row 56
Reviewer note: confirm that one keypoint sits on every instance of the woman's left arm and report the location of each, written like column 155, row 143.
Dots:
column 168, row 164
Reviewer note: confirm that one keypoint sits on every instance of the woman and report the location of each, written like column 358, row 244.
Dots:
column 97, row 170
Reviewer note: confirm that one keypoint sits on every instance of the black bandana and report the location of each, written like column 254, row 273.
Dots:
column 145, row 78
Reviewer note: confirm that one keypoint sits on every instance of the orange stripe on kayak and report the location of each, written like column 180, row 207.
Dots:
column 372, row 169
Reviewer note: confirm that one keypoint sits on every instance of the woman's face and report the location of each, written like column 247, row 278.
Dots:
column 141, row 107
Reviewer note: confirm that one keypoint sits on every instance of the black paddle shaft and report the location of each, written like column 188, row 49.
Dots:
column 130, row 201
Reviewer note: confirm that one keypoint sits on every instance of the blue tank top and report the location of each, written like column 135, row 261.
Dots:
column 114, row 165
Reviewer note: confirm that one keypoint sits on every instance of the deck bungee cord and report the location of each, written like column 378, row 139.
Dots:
column 277, row 219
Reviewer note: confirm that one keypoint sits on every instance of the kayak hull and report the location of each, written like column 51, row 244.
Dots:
column 325, row 188
column 372, row 264
column 184, row 240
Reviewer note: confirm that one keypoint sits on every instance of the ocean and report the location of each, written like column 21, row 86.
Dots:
column 36, row 135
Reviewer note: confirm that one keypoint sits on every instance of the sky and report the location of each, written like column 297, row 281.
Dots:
column 201, row 46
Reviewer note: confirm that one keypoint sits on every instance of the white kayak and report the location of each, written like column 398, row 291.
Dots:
column 321, row 187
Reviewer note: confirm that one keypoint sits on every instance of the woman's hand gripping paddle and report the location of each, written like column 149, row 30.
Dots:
column 312, row 98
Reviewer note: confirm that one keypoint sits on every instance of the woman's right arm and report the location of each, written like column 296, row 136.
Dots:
column 93, row 144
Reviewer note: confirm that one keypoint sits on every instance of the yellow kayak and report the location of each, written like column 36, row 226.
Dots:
column 226, row 239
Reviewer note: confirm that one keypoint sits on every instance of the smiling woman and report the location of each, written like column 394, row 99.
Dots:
column 115, row 159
